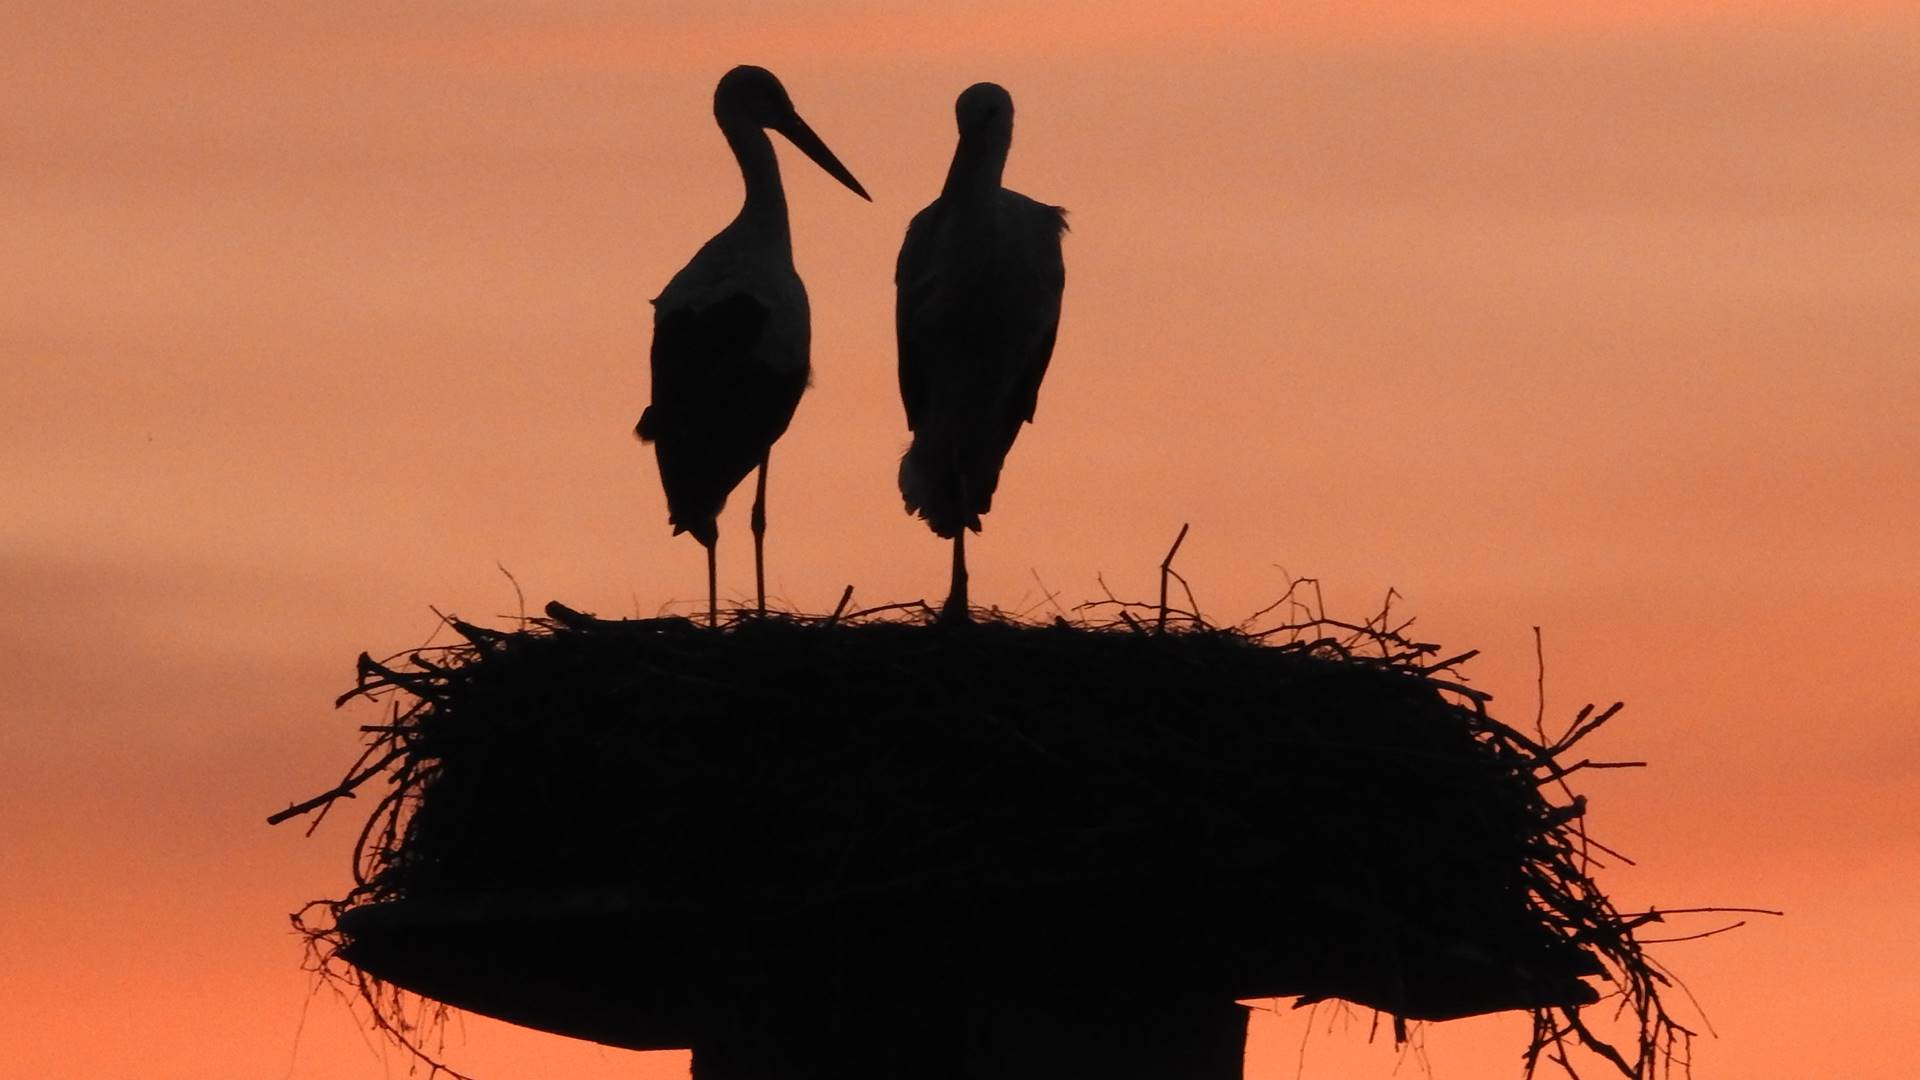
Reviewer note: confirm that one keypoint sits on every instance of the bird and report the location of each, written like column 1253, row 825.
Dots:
column 731, row 333
column 977, row 309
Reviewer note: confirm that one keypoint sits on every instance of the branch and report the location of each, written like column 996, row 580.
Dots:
column 840, row 608
column 344, row 790
column 1166, row 571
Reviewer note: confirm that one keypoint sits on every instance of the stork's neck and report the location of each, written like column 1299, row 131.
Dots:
column 977, row 166
column 764, row 213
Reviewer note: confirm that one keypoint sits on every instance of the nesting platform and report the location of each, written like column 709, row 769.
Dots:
column 843, row 843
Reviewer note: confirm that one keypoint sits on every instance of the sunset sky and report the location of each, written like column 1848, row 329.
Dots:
column 312, row 316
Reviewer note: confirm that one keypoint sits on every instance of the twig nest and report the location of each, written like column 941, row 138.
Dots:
column 655, row 806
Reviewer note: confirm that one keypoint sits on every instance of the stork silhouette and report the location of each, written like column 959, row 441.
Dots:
column 977, row 308
column 731, row 333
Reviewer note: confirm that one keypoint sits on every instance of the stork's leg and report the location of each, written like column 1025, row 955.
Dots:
column 759, row 523
column 713, row 588
column 956, row 610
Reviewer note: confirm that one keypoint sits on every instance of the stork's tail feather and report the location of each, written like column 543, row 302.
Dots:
column 934, row 497
column 707, row 532
column 644, row 429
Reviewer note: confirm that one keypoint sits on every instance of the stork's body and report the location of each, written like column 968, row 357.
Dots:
column 978, row 286
column 731, row 333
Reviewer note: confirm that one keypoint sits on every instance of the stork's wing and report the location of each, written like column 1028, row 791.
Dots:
column 913, row 288
column 1039, row 261
column 697, row 352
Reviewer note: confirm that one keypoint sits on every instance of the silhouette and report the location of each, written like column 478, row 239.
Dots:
column 1062, row 851
column 731, row 333
column 977, row 308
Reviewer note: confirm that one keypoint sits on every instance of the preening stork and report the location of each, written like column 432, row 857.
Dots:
column 977, row 307
column 731, row 333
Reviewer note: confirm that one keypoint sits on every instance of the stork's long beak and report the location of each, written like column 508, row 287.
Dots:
column 802, row 136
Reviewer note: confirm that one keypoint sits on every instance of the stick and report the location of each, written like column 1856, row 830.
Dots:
column 841, row 607
column 1166, row 571
column 1539, row 687
column 1691, row 937
column 904, row 605
column 345, row 788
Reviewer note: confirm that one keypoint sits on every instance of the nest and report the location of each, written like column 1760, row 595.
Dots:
column 1317, row 809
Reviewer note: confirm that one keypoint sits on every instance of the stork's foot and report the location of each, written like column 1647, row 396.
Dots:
column 956, row 612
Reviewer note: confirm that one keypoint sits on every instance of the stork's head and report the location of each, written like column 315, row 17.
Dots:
column 985, row 114
column 753, row 95
column 750, row 96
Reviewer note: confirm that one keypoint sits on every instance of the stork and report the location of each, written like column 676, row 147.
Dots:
column 731, row 333
column 977, row 307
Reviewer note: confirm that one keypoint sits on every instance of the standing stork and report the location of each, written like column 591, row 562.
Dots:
column 731, row 333
column 977, row 307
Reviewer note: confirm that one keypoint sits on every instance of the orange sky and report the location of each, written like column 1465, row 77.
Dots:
column 312, row 315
